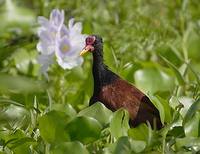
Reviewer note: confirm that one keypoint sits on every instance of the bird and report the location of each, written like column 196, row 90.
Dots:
column 115, row 93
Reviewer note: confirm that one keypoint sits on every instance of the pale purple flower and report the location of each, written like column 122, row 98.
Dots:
column 70, row 45
column 49, row 31
column 57, row 39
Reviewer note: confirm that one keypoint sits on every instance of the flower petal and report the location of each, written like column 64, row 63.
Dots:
column 57, row 17
column 63, row 47
column 68, row 63
column 71, row 23
column 44, row 48
column 45, row 61
column 64, row 31
column 44, row 22
column 46, row 36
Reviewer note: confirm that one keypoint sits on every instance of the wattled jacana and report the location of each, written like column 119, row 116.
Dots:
column 116, row 93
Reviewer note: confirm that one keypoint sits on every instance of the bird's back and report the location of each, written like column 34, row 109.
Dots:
column 121, row 94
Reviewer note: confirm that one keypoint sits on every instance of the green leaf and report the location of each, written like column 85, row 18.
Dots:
column 167, row 109
column 159, row 106
column 20, row 84
column 99, row 112
column 192, row 110
column 192, row 126
column 139, row 133
column 16, row 116
column 179, row 77
column 137, row 146
column 84, row 129
column 52, row 127
column 170, row 52
column 189, row 143
column 152, row 80
column 119, row 124
column 69, row 147
column 143, row 133
column 66, row 108
column 122, row 146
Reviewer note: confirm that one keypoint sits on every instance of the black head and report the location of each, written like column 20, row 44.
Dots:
column 93, row 44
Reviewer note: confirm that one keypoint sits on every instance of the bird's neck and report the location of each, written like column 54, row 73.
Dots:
column 101, row 74
column 98, row 70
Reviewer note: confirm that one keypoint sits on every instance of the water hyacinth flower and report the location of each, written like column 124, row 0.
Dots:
column 55, row 39
column 69, row 46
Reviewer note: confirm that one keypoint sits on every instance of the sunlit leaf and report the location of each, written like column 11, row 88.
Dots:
column 152, row 80
column 119, row 124
column 190, row 143
column 99, row 112
column 122, row 146
column 66, row 108
column 137, row 146
column 139, row 133
column 192, row 110
column 192, row 126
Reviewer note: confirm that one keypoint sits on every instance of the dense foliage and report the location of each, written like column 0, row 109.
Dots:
column 154, row 44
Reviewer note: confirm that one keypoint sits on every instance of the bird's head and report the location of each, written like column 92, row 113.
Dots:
column 93, row 43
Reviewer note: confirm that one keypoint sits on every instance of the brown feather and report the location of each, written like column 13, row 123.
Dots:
column 121, row 94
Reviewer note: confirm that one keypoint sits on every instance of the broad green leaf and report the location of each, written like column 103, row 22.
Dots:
column 192, row 110
column 22, row 145
column 193, row 45
column 99, row 112
column 139, row 133
column 66, row 108
column 119, row 124
column 17, row 141
column 167, row 109
column 122, row 146
column 190, row 143
column 21, row 84
column 137, row 146
column 159, row 106
column 17, row 116
column 84, row 129
column 143, row 133
column 52, row 127
column 192, row 126
column 25, row 60
column 152, row 80
column 179, row 77
column 69, row 148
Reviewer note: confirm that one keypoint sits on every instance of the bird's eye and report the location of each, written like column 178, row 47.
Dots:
column 90, row 40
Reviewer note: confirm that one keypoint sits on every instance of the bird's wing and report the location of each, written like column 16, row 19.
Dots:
column 121, row 94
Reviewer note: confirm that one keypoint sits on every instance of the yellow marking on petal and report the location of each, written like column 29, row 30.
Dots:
column 53, row 34
column 65, row 48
